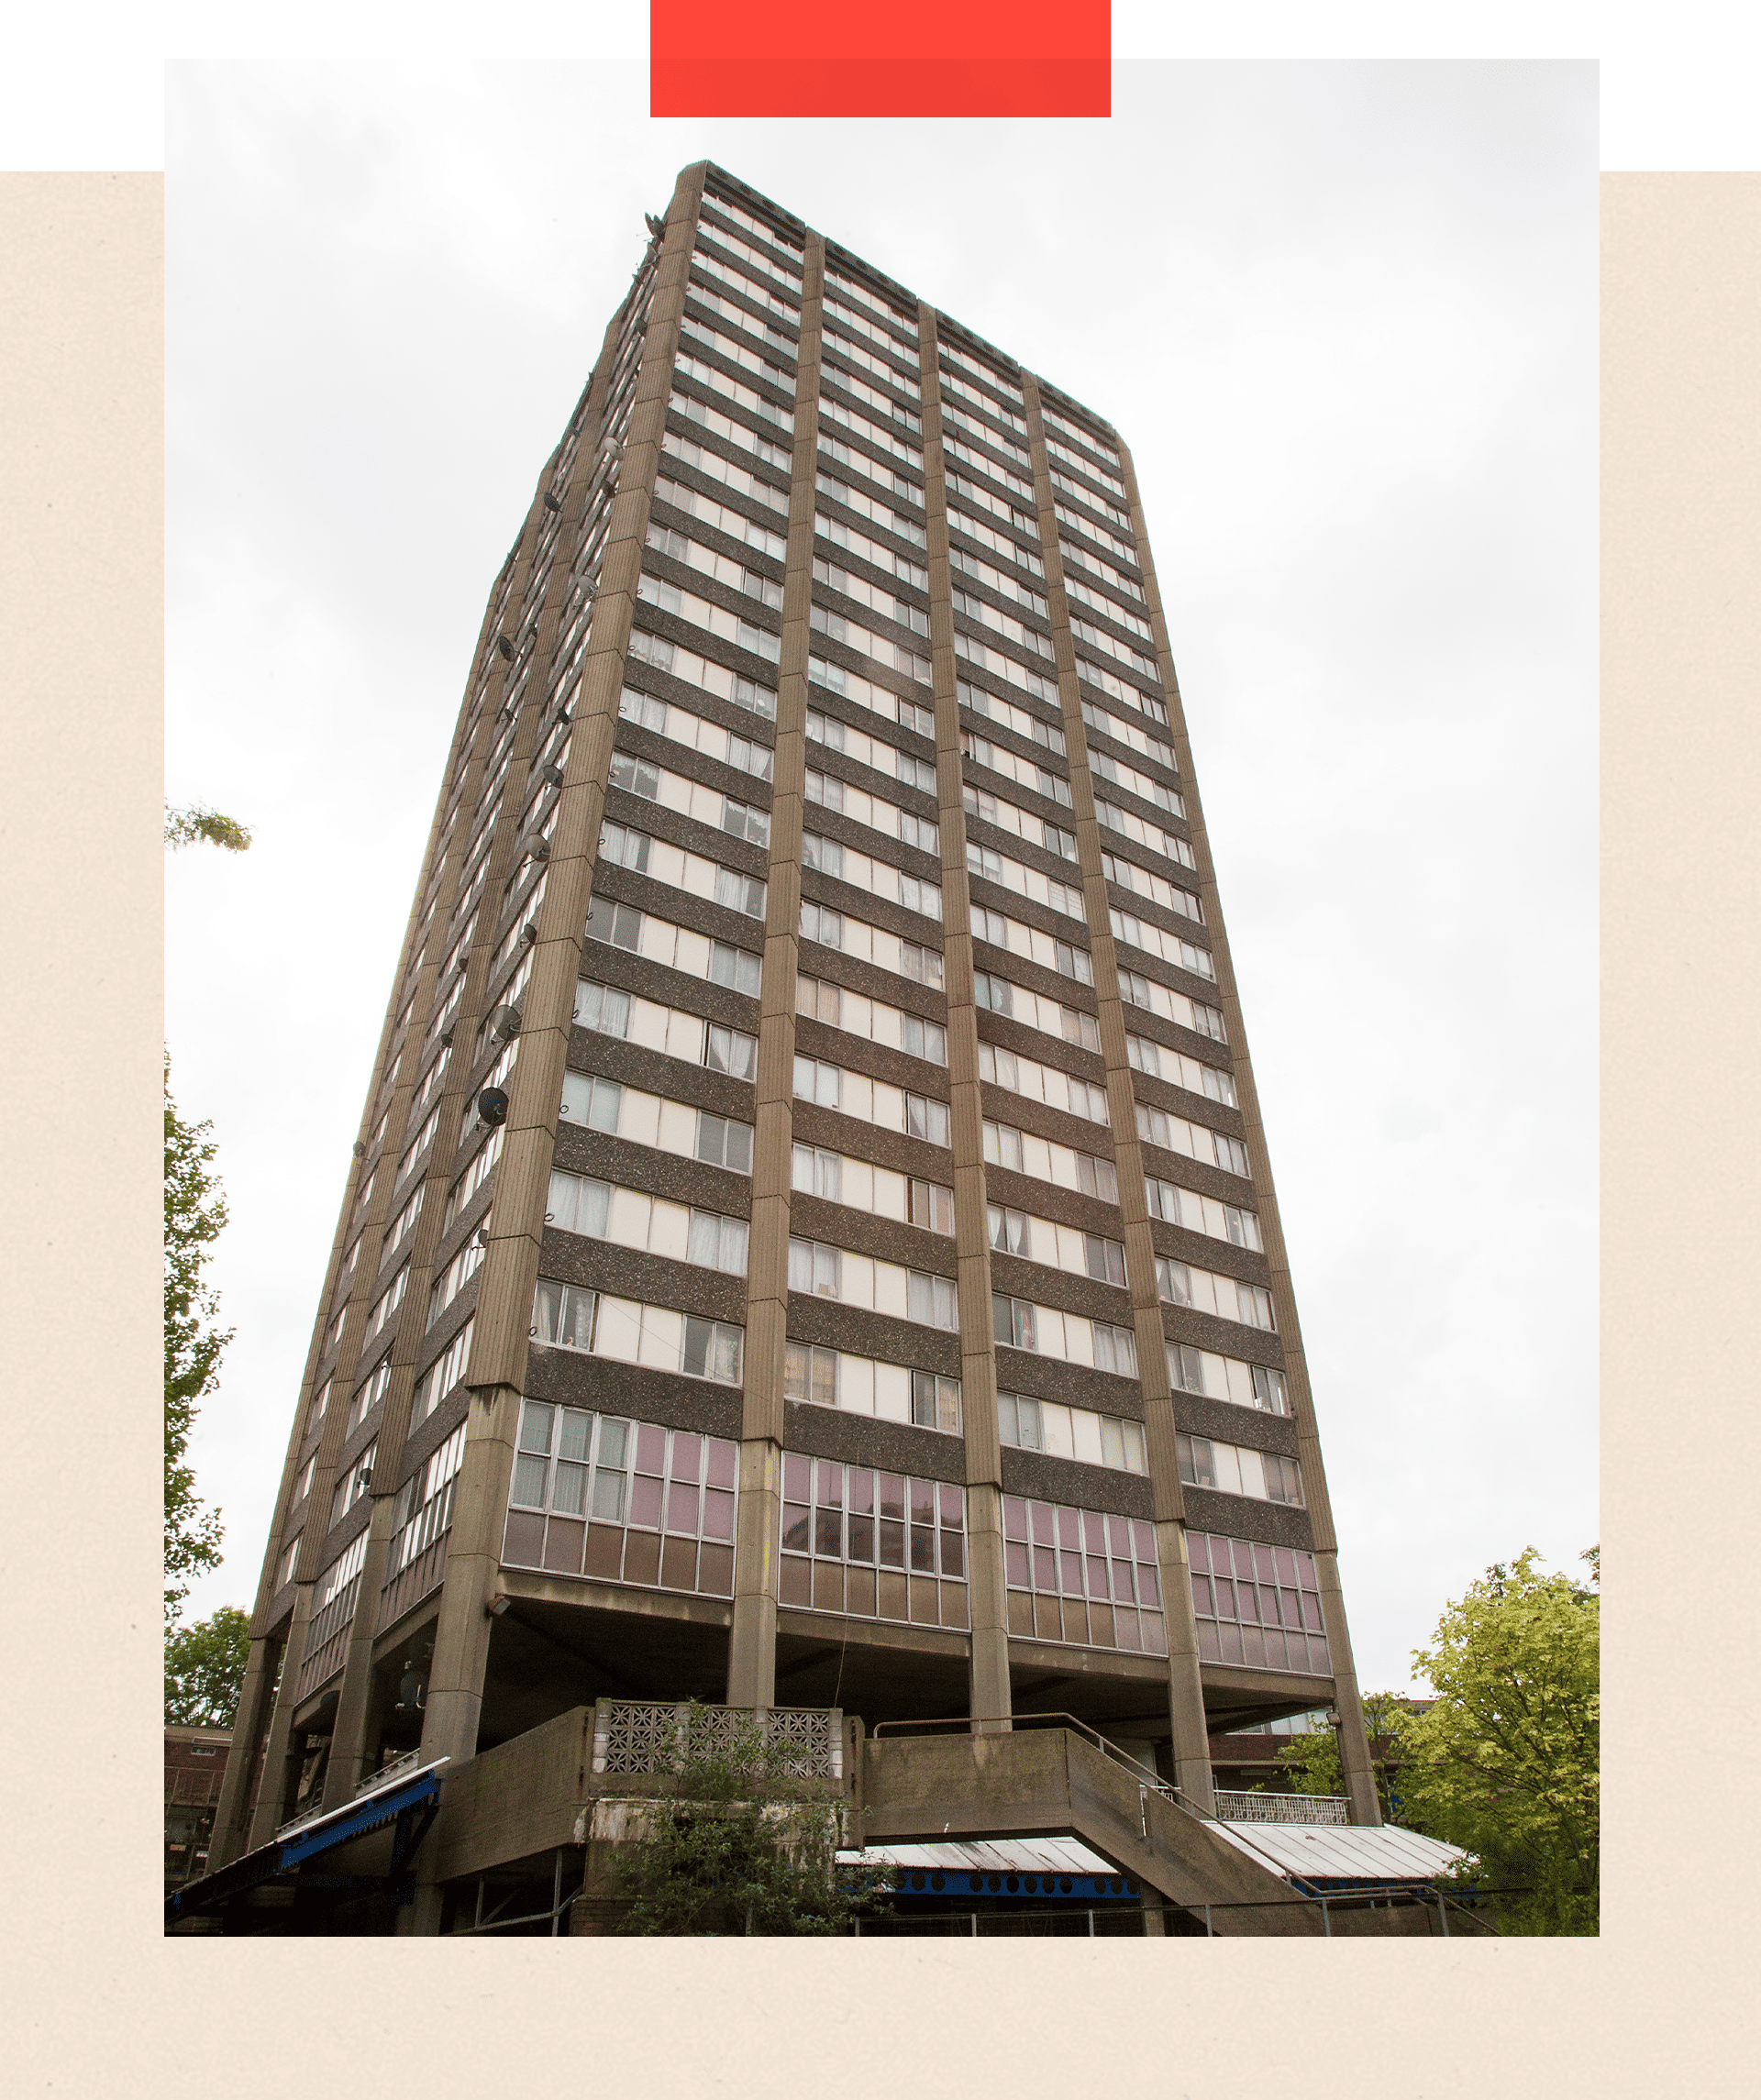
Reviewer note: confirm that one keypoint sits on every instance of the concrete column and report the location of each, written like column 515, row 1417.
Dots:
column 1355, row 1747
column 281, row 1728
column 991, row 1696
column 1185, row 1691
column 752, row 1645
column 348, row 1763
column 228, row 1838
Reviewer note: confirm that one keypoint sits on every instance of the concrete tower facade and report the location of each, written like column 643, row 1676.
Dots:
column 810, row 1240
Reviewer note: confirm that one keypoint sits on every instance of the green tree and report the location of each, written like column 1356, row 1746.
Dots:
column 184, row 827
column 205, row 1670
column 1506, row 1763
column 1313, row 1760
column 194, row 1213
column 744, row 1847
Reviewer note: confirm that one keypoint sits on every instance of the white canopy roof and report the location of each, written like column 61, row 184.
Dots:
column 1007, row 1856
column 1343, row 1852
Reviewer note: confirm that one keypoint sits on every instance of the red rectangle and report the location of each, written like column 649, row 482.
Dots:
column 908, row 57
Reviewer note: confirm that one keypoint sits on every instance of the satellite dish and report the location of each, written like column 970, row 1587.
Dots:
column 491, row 1106
column 505, row 1022
column 553, row 774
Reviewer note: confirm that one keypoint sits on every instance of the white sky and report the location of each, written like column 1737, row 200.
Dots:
column 1345, row 316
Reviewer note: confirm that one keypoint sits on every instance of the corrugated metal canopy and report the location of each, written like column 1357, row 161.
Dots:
column 1007, row 1856
column 1343, row 1852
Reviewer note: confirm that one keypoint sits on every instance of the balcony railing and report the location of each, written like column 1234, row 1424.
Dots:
column 1280, row 1808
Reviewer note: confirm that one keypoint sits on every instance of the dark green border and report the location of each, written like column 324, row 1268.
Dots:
column 81, row 87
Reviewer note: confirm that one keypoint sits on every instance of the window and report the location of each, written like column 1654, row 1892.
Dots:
column 1231, row 1154
column 1205, row 1019
column 1105, row 1258
column 406, row 1218
column 712, row 1350
column 826, row 855
column 1010, row 1232
column 1242, row 1227
column 619, row 925
column 1018, row 1421
column 728, row 1050
column 745, row 822
column 594, row 1102
column 1185, row 1368
column 926, row 1119
column 1097, row 1178
column 734, row 968
column 424, row 1507
column 621, row 847
column 1115, row 1350
column 1087, row 1099
column 923, row 965
column 481, row 1166
column 816, row 1172
column 1218, row 1086
column 636, row 775
column 933, row 1301
column 565, row 1314
column 1013, row 1321
column 922, row 1038
column 717, row 1243
column 1255, row 1305
column 936, row 1402
column 1256, row 1604
column 602, row 1009
column 457, row 1274
column 723, row 1141
column 1269, row 1394
column 815, row 1268
column 610, row 1487
column 1081, row 1575
column 819, row 922
column 355, row 1483
column 389, row 1301
column 993, row 994
column 284, row 1572
column 740, row 892
column 441, row 1376
column 369, row 1397
column 820, row 1082
column 320, row 1401
column 578, row 1204
column 931, row 1206
column 1081, row 1028
column 872, row 1543
column 1173, row 1281
column 756, row 758
column 810, row 1375
column 303, row 1481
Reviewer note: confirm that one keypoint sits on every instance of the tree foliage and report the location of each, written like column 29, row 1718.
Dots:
column 184, row 827
column 745, row 1847
column 1506, row 1763
column 1313, row 1760
column 194, row 1213
column 205, row 1670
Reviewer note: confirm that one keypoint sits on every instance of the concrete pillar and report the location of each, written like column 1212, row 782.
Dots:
column 752, row 1645
column 990, row 1698
column 268, row 1810
column 231, row 1813
column 1185, row 1693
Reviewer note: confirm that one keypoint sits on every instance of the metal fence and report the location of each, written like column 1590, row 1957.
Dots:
column 1280, row 1808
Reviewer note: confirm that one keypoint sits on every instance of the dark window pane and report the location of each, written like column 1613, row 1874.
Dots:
column 893, row 1543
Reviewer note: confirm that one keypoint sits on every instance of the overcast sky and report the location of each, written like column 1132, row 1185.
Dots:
column 1345, row 316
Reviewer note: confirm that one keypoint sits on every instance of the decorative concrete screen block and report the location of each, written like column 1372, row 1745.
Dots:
column 630, row 1737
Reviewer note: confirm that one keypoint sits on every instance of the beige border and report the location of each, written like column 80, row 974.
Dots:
column 93, row 1991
